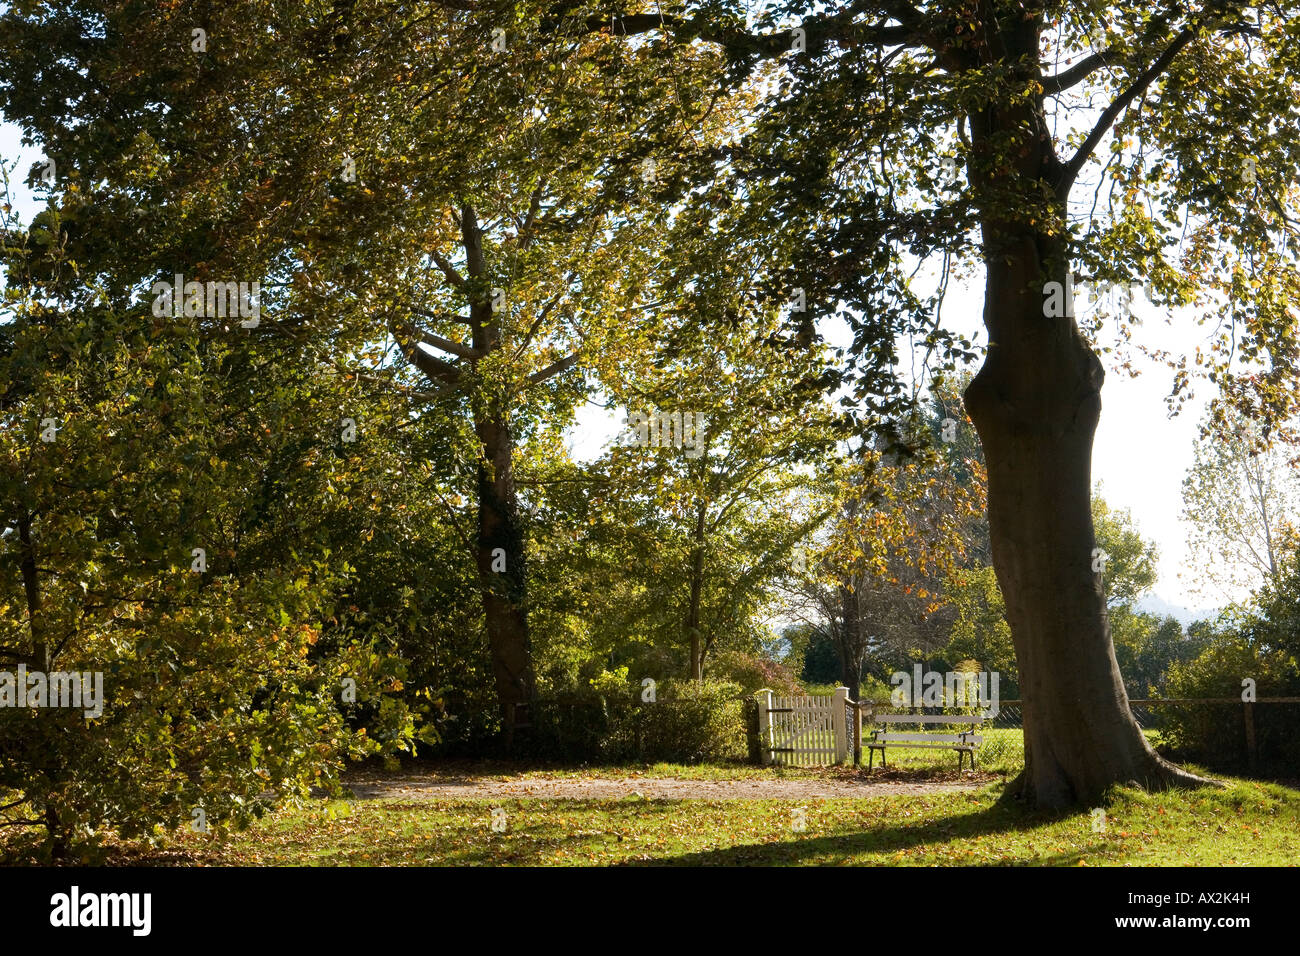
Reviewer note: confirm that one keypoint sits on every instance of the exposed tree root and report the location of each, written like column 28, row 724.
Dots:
column 1160, row 775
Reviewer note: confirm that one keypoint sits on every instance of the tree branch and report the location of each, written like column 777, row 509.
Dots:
column 454, row 277
column 447, row 345
column 530, row 220
column 434, row 368
column 542, row 313
column 472, row 240
column 838, row 28
column 443, row 316
column 555, row 368
column 1076, row 74
column 1070, row 171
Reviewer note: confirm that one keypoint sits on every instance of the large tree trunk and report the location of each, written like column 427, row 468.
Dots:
column 500, row 555
column 39, row 659
column 502, row 570
column 693, row 600
column 1035, row 404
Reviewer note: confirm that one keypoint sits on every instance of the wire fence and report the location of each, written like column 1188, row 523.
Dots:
column 1223, row 734
column 1222, row 731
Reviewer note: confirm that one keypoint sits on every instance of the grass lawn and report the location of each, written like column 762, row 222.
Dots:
column 1249, row 823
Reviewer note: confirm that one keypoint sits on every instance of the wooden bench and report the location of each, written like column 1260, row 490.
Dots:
column 966, row 742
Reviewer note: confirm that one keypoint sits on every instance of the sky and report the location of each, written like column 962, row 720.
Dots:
column 1140, row 455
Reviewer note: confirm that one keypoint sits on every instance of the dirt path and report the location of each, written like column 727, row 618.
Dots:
column 649, row 788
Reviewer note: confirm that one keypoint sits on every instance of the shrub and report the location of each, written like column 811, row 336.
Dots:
column 209, row 717
column 575, row 724
column 753, row 673
column 685, row 723
column 691, row 722
column 875, row 690
column 1214, row 734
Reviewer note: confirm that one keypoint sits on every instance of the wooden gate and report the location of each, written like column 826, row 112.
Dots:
column 804, row 731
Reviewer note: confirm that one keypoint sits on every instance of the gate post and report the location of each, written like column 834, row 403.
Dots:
column 857, row 734
column 1252, row 750
column 838, row 700
column 764, row 698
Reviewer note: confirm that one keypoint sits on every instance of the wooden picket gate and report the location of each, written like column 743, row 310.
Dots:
column 805, row 731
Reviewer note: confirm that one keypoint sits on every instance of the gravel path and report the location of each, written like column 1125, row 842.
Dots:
column 650, row 788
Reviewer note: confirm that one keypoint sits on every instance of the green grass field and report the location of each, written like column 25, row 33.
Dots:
column 1246, row 824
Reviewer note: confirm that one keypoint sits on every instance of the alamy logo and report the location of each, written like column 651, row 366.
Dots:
column 57, row 689
column 953, row 689
column 664, row 429
column 1058, row 298
column 213, row 300
column 103, row 909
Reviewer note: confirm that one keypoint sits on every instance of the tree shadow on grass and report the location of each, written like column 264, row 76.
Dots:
column 526, row 841
column 878, row 840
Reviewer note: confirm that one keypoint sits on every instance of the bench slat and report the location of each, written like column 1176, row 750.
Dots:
column 926, row 719
column 936, row 738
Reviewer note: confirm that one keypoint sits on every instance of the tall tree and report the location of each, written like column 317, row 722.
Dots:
column 1241, row 498
column 733, row 506
column 1127, row 560
column 451, row 200
column 900, row 528
column 1085, row 150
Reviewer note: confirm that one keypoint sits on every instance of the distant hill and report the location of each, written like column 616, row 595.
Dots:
column 1155, row 604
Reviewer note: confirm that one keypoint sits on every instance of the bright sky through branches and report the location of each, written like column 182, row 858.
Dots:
column 1140, row 457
